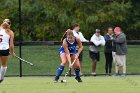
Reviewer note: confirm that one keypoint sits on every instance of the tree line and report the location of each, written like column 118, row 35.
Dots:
column 48, row 19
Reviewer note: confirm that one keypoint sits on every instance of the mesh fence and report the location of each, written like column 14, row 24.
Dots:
column 45, row 20
column 46, row 60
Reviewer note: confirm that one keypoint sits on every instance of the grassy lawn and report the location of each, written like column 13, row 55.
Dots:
column 46, row 58
column 100, row 84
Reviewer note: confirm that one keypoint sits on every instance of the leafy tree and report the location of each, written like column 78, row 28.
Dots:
column 48, row 19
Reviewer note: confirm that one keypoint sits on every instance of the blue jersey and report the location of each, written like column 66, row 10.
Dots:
column 71, row 47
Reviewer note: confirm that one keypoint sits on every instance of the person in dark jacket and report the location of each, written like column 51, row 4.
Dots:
column 108, row 50
column 121, row 51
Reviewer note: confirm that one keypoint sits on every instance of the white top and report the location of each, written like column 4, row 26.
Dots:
column 79, row 35
column 97, row 41
column 4, row 39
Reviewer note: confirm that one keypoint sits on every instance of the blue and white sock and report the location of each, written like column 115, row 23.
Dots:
column 59, row 71
column 77, row 72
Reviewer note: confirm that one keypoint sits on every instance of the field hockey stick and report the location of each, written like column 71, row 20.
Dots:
column 27, row 62
column 70, row 72
column 64, row 79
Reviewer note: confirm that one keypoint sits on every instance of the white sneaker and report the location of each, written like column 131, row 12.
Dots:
column 93, row 74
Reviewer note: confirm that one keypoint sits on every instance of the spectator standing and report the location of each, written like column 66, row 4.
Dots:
column 108, row 50
column 121, row 51
column 98, row 40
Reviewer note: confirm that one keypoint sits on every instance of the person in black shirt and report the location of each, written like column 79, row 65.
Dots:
column 108, row 50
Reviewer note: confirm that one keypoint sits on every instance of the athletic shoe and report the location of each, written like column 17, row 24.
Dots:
column 107, row 75
column 56, row 80
column 1, row 81
column 78, row 79
column 93, row 74
column 123, row 75
column 115, row 74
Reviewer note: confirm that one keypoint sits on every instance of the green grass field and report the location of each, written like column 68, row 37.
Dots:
column 47, row 59
column 99, row 84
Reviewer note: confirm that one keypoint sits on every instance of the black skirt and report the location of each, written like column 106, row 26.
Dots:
column 4, row 52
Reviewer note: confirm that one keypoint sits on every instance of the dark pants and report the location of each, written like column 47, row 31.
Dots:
column 108, row 65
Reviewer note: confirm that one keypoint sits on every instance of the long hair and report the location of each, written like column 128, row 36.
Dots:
column 64, row 35
column 5, row 25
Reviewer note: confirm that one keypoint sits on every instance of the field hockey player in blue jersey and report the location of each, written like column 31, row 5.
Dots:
column 68, row 53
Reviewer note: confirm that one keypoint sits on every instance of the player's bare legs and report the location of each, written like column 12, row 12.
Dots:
column 3, row 67
column 63, row 59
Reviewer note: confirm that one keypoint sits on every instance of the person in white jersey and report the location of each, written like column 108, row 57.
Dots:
column 6, row 46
